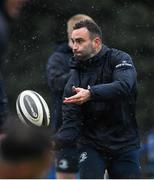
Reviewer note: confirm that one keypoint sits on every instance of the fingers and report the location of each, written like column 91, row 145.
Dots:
column 81, row 96
column 72, row 99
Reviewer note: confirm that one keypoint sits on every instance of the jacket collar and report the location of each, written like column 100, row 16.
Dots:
column 98, row 56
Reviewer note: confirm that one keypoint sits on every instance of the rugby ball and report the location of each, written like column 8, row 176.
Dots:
column 32, row 109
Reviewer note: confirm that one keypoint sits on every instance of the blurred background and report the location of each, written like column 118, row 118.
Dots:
column 126, row 24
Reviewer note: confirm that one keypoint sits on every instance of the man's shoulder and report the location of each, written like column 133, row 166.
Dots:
column 62, row 47
column 60, row 53
column 56, row 55
column 117, row 56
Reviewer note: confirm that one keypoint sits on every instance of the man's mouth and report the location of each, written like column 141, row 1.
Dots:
column 77, row 53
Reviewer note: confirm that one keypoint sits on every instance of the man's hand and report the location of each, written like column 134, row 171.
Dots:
column 81, row 96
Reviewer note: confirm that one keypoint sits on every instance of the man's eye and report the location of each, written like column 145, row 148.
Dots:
column 79, row 41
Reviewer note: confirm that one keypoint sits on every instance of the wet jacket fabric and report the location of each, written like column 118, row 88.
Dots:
column 4, row 37
column 58, row 71
column 107, row 121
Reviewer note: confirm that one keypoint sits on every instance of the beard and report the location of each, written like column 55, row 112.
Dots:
column 84, row 56
column 81, row 57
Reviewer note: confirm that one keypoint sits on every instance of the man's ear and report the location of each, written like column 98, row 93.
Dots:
column 97, row 42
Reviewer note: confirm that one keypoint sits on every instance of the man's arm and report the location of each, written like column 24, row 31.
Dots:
column 124, row 78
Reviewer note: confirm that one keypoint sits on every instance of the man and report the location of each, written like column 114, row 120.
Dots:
column 25, row 152
column 58, row 73
column 99, row 107
column 9, row 9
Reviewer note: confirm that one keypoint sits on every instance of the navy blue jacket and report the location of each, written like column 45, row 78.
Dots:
column 58, row 71
column 108, row 120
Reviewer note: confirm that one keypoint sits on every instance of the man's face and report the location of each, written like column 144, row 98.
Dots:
column 82, row 45
column 13, row 7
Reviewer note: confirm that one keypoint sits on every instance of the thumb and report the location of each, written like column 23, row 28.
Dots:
column 75, row 89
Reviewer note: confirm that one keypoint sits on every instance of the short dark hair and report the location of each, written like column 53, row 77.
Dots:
column 93, row 28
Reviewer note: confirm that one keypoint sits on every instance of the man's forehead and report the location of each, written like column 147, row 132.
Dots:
column 80, row 32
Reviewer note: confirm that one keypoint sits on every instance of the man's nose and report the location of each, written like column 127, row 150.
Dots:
column 75, row 46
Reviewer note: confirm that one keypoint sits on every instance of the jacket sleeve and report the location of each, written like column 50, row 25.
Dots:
column 123, row 79
column 56, row 72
